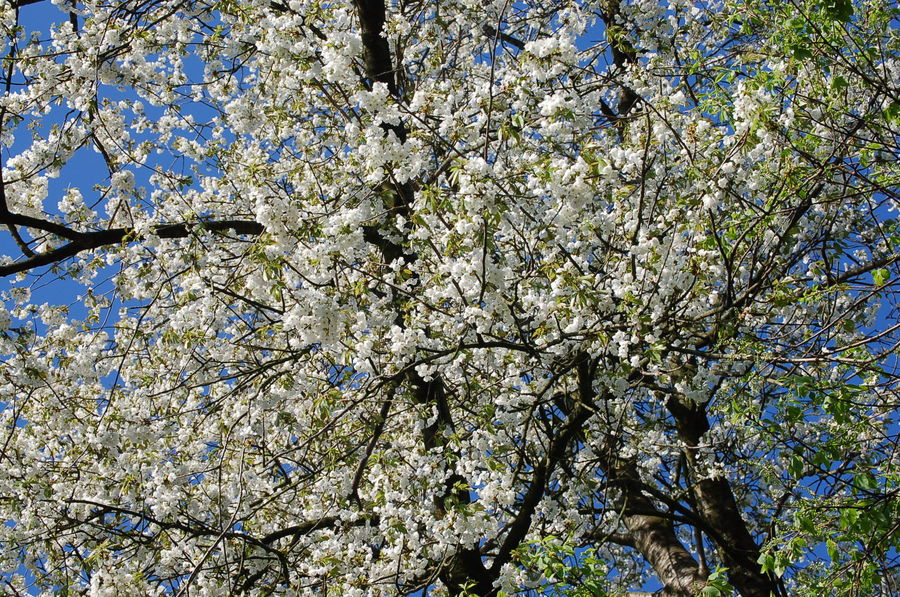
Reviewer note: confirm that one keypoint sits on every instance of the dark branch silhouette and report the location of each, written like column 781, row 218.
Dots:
column 87, row 241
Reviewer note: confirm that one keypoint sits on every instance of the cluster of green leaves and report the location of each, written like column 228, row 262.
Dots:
column 852, row 536
column 557, row 567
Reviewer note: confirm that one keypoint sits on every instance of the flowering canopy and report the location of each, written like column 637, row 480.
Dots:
column 465, row 296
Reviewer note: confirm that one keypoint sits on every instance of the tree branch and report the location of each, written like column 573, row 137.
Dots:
column 20, row 3
column 717, row 507
column 466, row 565
column 622, row 53
column 654, row 536
column 87, row 241
column 577, row 416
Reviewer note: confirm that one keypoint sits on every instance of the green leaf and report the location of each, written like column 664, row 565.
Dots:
column 832, row 549
column 838, row 10
column 801, row 52
column 795, row 466
column 880, row 276
column 867, row 482
column 892, row 112
column 849, row 516
column 767, row 562
column 781, row 564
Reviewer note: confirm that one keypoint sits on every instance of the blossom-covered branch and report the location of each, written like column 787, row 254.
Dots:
column 87, row 241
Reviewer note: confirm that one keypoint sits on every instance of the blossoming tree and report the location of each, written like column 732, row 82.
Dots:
column 485, row 298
